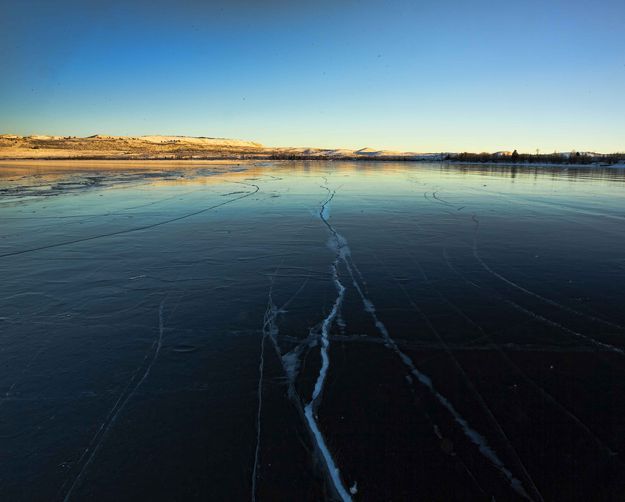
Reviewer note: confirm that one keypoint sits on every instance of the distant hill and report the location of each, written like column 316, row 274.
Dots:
column 122, row 147
column 100, row 146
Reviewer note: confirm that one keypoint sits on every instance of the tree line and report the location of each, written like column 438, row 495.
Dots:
column 539, row 158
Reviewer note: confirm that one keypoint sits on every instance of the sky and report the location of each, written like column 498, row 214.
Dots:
column 423, row 76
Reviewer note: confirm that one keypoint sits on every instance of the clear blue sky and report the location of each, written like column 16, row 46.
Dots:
column 444, row 75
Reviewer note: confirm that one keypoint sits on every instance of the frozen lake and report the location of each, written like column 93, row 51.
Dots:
column 312, row 330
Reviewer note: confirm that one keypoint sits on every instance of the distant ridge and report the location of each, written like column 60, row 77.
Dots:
column 157, row 147
column 102, row 146
column 200, row 140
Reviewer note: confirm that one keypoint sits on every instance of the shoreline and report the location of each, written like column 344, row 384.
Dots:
column 203, row 149
column 244, row 159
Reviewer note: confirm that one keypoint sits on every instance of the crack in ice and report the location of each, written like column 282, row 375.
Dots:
column 96, row 442
column 479, row 399
column 344, row 255
column 536, row 295
column 134, row 229
column 270, row 330
column 553, row 303
column 309, row 409
column 474, row 436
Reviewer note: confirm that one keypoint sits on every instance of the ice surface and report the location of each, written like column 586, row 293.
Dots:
column 320, row 330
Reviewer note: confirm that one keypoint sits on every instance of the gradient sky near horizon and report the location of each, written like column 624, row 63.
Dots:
column 444, row 75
